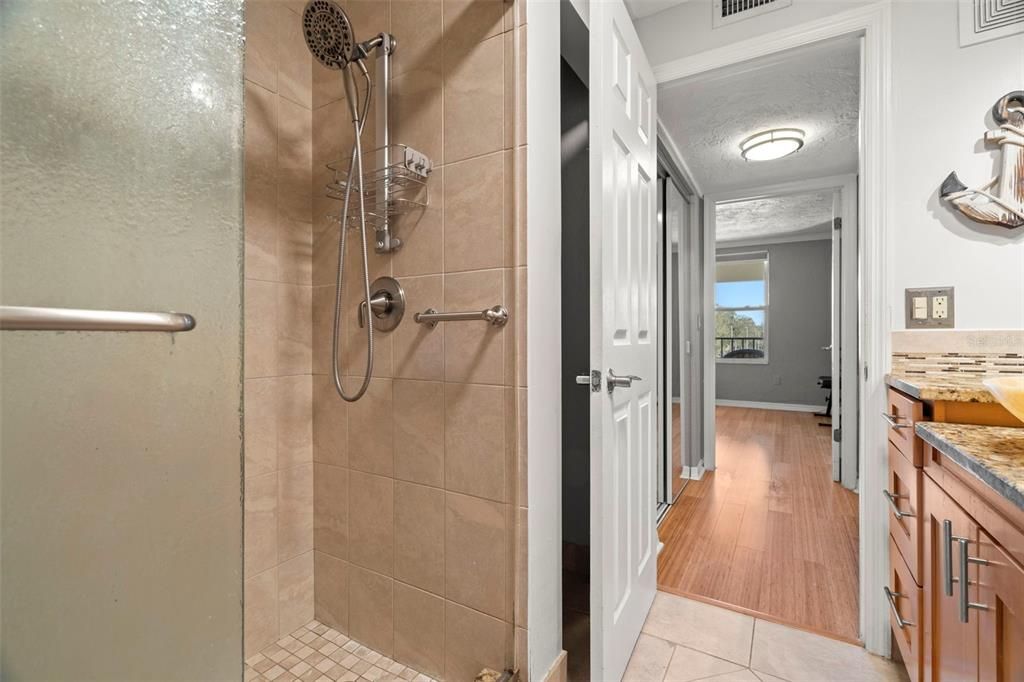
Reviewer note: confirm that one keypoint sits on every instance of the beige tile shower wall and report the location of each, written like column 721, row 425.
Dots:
column 417, row 495
column 278, row 325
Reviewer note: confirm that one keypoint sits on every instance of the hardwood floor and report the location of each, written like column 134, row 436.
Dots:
column 768, row 531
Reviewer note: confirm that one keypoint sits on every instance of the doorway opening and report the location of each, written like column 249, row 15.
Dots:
column 771, row 527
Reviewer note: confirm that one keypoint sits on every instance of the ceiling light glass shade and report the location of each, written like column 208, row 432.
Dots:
column 772, row 144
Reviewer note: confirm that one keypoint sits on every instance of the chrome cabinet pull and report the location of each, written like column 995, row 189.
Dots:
column 892, row 597
column 620, row 381
column 947, row 557
column 965, row 560
column 29, row 318
column 895, row 507
column 892, row 419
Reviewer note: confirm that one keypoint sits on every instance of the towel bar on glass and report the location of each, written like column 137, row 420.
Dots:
column 29, row 318
column 496, row 316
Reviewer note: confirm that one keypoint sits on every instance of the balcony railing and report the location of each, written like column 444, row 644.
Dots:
column 740, row 346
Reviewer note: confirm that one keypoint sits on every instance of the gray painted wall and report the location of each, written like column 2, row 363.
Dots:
column 799, row 323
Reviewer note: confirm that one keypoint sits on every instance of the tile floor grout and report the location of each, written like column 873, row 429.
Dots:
column 335, row 658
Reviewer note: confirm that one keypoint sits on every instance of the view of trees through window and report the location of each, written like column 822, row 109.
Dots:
column 741, row 307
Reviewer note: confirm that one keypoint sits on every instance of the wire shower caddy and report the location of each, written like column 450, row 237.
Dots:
column 389, row 190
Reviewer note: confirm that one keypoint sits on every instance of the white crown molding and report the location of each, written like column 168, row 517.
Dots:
column 851, row 21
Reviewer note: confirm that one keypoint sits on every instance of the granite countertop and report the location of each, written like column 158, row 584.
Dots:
column 995, row 454
column 952, row 386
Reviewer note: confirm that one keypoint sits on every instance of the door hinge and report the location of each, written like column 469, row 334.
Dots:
column 837, row 435
column 837, row 223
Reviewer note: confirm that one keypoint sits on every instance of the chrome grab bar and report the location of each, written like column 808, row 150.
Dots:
column 892, row 597
column 30, row 318
column 891, row 419
column 895, row 507
column 496, row 316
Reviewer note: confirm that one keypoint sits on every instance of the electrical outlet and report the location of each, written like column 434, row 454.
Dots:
column 929, row 308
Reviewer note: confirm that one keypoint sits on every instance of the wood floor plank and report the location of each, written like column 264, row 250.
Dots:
column 768, row 531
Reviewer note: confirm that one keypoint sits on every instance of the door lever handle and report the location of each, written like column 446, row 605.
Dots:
column 620, row 381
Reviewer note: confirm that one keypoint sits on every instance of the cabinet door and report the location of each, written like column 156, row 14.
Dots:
column 951, row 645
column 999, row 595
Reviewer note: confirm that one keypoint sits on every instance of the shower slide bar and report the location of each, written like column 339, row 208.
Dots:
column 29, row 318
column 496, row 316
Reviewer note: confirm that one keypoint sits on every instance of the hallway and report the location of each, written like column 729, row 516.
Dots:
column 768, row 531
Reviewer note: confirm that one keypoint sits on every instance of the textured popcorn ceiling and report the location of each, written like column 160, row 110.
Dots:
column 795, row 215
column 813, row 88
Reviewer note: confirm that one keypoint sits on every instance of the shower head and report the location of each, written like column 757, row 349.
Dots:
column 329, row 34
column 331, row 39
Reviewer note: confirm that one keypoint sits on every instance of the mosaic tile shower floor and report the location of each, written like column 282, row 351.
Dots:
column 318, row 653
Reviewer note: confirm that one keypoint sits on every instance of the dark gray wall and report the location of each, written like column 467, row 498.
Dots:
column 799, row 325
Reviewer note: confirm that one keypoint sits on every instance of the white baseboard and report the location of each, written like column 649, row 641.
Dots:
column 677, row 400
column 788, row 407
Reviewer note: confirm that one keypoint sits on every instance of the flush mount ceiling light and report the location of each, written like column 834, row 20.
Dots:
column 772, row 144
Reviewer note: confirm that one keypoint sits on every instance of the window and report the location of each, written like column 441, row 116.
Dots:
column 741, row 307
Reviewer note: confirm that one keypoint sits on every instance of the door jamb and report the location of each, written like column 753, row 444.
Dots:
column 873, row 22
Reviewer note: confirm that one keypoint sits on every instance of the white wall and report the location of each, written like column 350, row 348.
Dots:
column 543, row 341
column 941, row 98
column 941, row 95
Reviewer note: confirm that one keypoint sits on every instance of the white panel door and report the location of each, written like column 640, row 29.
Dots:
column 624, row 319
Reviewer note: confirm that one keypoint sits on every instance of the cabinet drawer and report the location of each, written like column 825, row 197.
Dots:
column 902, row 414
column 905, row 609
column 904, row 494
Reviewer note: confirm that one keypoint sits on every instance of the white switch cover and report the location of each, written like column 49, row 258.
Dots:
column 920, row 307
column 940, row 307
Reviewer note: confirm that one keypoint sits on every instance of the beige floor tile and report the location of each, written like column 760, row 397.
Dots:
column 649, row 660
column 765, row 677
column 713, row 630
column 797, row 656
column 741, row 675
column 689, row 664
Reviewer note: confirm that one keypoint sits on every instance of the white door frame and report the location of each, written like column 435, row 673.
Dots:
column 846, row 187
column 873, row 22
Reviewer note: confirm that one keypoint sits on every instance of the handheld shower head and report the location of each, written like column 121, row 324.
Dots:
column 329, row 33
column 331, row 38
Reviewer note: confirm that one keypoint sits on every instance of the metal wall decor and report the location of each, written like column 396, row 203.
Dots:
column 1000, row 201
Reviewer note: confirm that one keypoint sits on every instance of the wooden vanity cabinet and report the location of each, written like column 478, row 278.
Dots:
column 1000, row 588
column 941, row 515
column 950, row 645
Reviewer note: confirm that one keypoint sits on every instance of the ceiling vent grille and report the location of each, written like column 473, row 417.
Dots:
column 982, row 20
column 731, row 11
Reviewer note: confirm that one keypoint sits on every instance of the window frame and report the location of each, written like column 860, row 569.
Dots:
column 747, row 255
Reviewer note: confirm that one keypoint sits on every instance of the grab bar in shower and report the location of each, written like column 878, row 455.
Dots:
column 496, row 316
column 29, row 318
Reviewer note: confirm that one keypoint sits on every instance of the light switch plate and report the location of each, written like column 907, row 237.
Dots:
column 939, row 308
